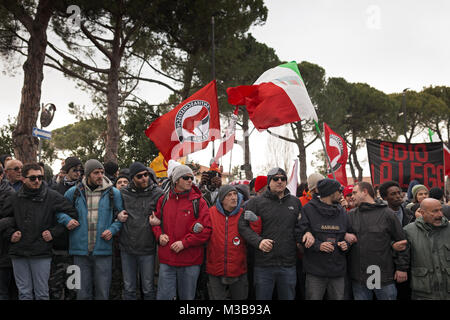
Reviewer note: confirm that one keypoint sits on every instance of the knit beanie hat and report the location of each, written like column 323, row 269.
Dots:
column 172, row 164
column 313, row 179
column 260, row 182
column 180, row 171
column 135, row 168
column 327, row 187
column 124, row 173
column 91, row 165
column 416, row 189
column 71, row 162
column 436, row 193
column 273, row 172
column 224, row 190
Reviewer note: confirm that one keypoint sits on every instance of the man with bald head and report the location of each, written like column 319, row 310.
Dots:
column 14, row 173
column 428, row 253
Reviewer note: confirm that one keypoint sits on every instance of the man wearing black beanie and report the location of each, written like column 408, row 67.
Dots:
column 324, row 261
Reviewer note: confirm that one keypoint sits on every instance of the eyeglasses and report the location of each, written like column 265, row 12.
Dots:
column 140, row 175
column 279, row 178
column 188, row 178
column 17, row 169
column 33, row 178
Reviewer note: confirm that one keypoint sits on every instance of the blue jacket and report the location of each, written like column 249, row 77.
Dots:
column 78, row 237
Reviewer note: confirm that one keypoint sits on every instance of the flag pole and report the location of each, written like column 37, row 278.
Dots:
column 324, row 149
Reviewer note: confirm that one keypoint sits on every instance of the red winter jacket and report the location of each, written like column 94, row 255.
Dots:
column 178, row 219
column 227, row 252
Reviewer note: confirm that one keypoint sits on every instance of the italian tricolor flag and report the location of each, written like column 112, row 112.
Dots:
column 277, row 97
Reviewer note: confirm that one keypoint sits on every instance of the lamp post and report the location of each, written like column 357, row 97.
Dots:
column 404, row 112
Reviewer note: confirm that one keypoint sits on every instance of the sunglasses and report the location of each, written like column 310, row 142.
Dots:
column 139, row 176
column 17, row 169
column 33, row 178
column 279, row 178
column 188, row 178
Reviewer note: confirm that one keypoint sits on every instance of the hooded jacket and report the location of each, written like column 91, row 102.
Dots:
column 327, row 223
column 78, row 237
column 226, row 253
column 136, row 236
column 428, row 255
column 34, row 212
column 376, row 228
column 6, row 191
column 178, row 219
column 279, row 223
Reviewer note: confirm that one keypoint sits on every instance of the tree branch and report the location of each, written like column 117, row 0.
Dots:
column 281, row 137
column 95, row 42
column 77, row 61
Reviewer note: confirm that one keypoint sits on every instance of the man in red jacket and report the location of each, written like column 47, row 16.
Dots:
column 181, row 236
column 226, row 259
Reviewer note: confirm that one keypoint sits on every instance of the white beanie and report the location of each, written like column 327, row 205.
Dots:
column 180, row 171
column 172, row 164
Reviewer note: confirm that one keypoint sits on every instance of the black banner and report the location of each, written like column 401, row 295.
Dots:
column 404, row 162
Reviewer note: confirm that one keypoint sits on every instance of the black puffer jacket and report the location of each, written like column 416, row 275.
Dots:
column 376, row 227
column 61, row 242
column 327, row 223
column 34, row 212
column 136, row 236
column 6, row 191
column 279, row 222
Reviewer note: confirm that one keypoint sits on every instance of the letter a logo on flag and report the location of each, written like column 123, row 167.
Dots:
column 189, row 127
column 338, row 154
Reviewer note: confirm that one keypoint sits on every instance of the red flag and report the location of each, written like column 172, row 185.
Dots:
column 447, row 160
column 189, row 127
column 338, row 154
column 228, row 139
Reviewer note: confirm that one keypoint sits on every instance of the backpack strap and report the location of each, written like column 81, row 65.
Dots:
column 112, row 204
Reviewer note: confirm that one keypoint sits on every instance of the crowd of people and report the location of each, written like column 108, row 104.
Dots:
column 131, row 235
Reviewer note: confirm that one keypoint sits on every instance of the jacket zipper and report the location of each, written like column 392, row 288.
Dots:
column 226, row 247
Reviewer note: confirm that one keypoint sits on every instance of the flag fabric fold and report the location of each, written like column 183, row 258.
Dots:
column 447, row 160
column 338, row 154
column 189, row 127
column 277, row 97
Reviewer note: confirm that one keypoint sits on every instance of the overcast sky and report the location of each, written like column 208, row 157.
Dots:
column 391, row 45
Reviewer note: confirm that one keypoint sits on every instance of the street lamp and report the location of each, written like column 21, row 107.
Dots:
column 404, row 111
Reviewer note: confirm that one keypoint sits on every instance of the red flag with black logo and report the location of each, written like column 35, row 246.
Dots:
column 338, row 154
column 189, row 127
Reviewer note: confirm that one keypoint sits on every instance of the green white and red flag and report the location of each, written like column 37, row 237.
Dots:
column 277, row 97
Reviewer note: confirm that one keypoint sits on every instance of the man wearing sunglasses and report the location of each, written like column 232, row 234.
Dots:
column 136, row 240
column 181, row 243
column 34, row 208
column 14, row 173
column 276, row 248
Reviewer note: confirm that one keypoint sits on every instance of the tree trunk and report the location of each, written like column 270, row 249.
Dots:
column 352, row 167
column 301, row 154
column 25, row 145
column 245, row 119
column 355, row 158
column 112, row 97
column 188, row 75
column 112, row 118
